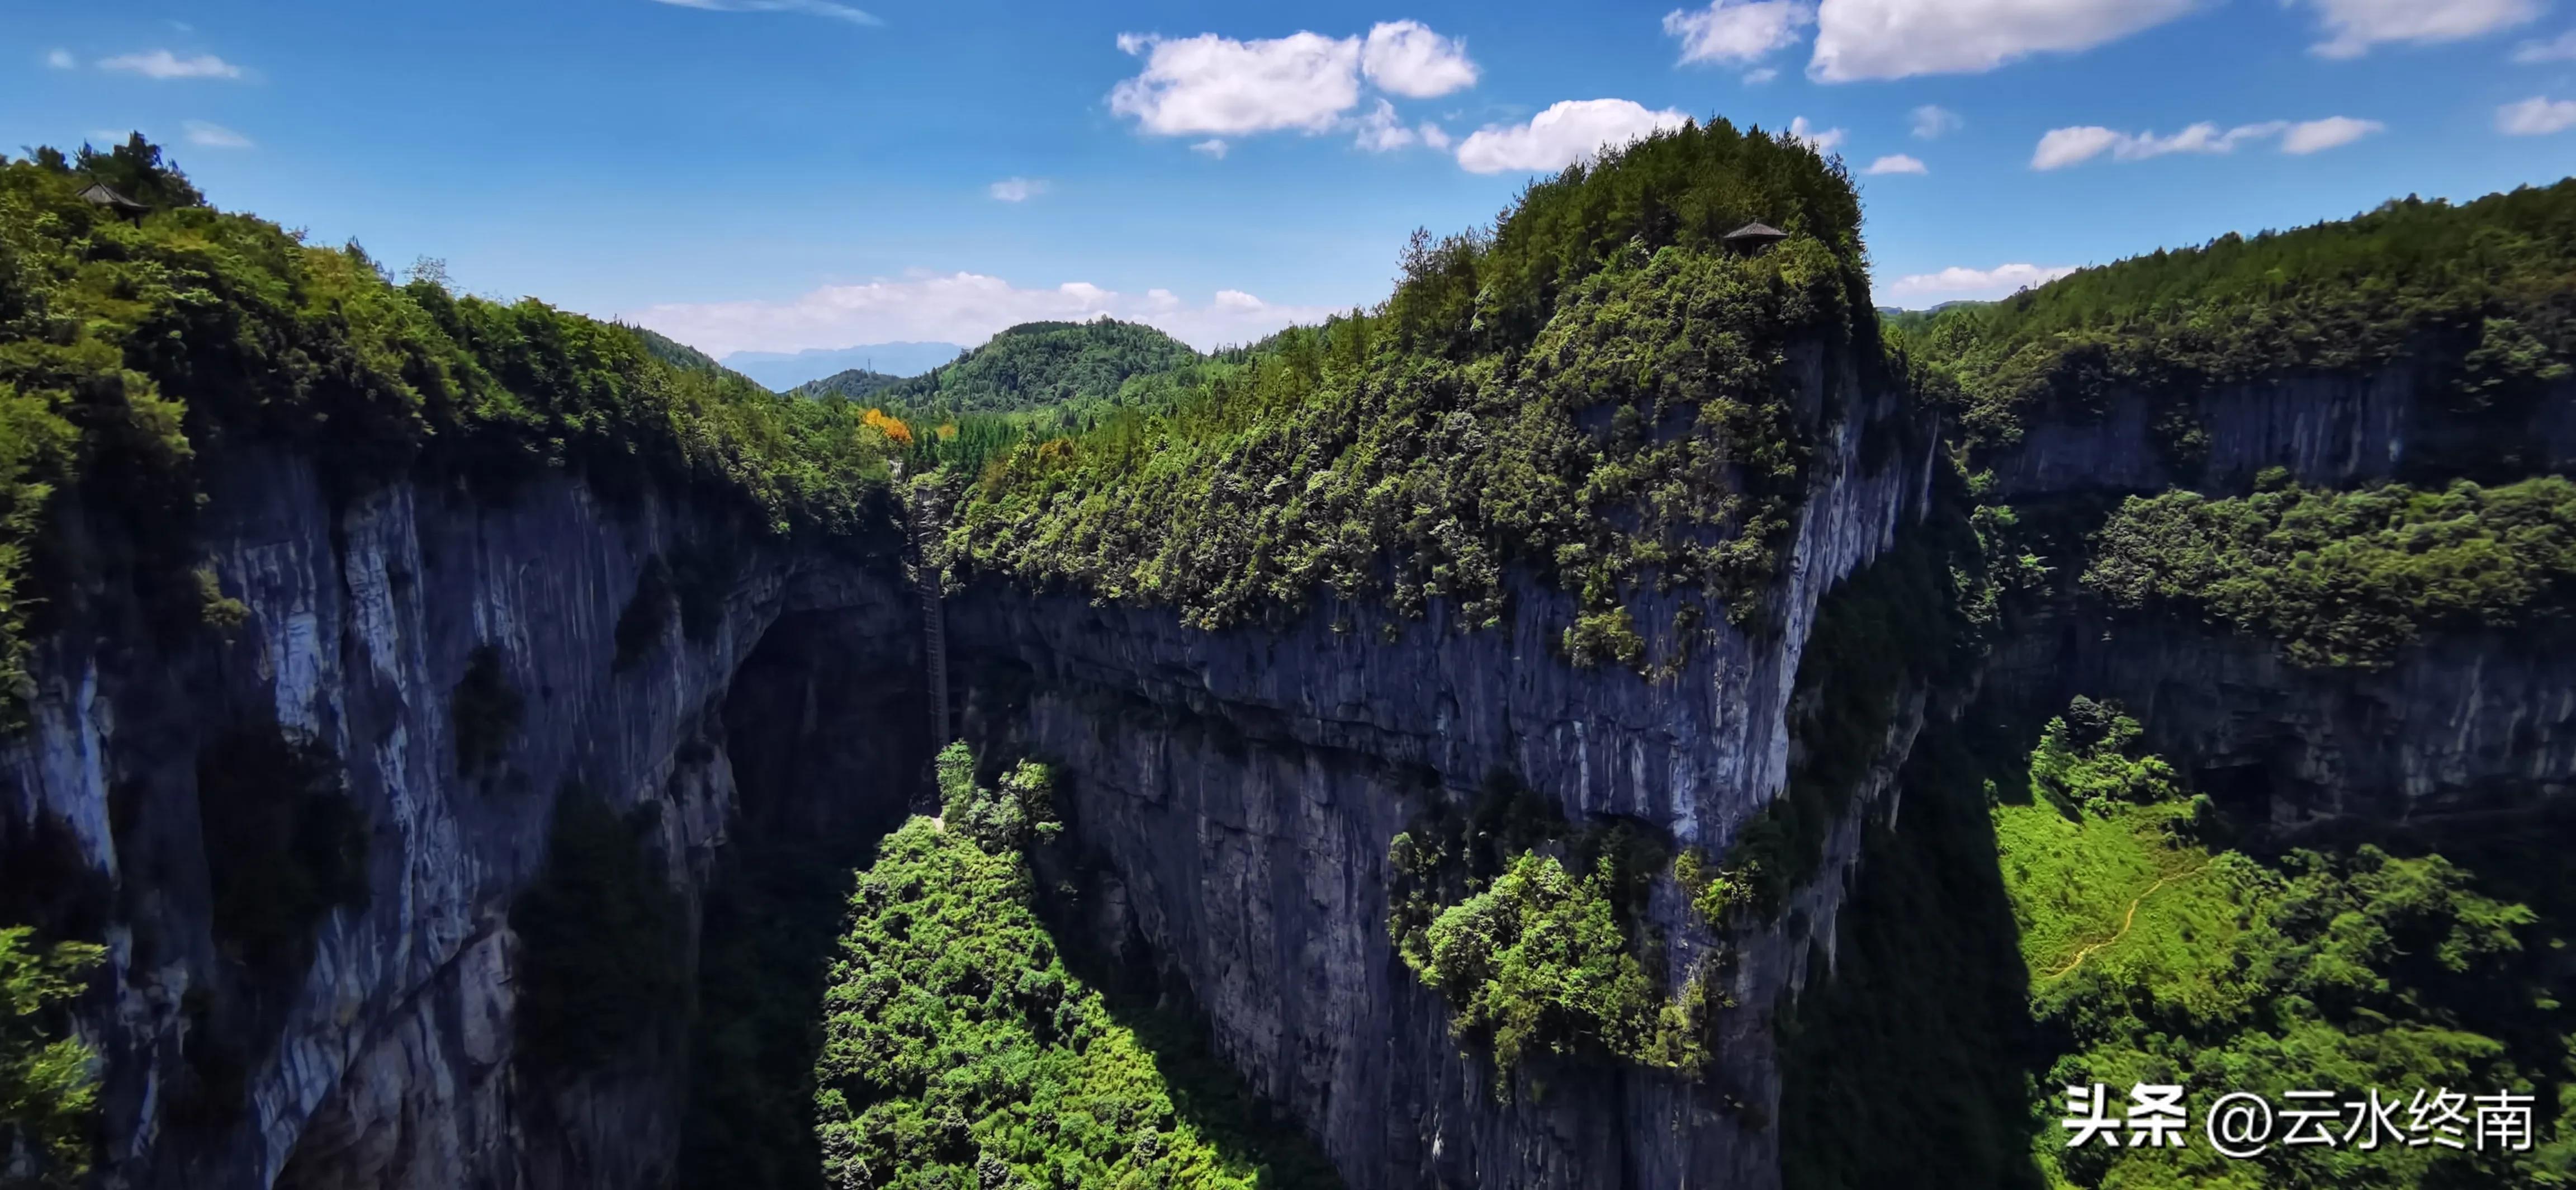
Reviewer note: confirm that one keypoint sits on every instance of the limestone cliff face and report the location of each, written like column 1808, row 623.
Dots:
column 387, row 1061
column 1241, row 788
column 2462, row 725
column 2336, row 430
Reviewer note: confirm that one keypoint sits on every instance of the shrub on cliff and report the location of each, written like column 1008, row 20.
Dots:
column 47, row 1095
column 483, row 712
column 284, row 844
column 602, row 942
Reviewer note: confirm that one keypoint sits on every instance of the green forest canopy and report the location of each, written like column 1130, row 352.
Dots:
column 2460, row 290
column 129, row 348
column 1549, row 392
column 1037, row 364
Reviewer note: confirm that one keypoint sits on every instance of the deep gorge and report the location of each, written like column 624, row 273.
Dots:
column 466, row 770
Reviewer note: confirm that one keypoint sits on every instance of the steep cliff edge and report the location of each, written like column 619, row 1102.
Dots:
column 1239, row 789
column 382, row 1053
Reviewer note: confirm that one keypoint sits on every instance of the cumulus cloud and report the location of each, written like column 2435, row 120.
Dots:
column 1212, row 147
column 1821, row 140
column 960, row 307
column 1760, row 75
column 2536, row 116
column 1568, row 131
column 816, row 8
column 1898, row 163
column 162, row 64
column 2353, row 26
column 214, row 136
column 1886, row 39
column 1381, row 131
column 61, row 59
column 1931, row 121
column 1408, row 59
column 1018, row 189
column 1738, row 31
column 1962, row 284
column 1216, row 84
column 2317, row 135
column 2062, row 147
column 2561, row 48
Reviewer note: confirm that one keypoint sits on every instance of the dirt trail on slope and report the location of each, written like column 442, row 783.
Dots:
column 2125, row 922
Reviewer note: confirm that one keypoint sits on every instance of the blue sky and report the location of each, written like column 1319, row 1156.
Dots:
column 788, row 174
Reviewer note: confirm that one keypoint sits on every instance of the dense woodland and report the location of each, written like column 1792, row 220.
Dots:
column 1594, row 390
column 2474, row 298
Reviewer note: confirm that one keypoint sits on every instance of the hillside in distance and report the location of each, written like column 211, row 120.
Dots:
column 783, row 370
column 1031, row 366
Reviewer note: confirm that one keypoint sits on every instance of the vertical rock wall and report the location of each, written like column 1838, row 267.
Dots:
column 386, row 1061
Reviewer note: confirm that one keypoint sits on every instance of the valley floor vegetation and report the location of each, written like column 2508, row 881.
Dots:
column 960, row 1050
column 2080, row 915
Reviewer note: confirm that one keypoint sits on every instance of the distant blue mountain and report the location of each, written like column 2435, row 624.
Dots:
column 780, row 371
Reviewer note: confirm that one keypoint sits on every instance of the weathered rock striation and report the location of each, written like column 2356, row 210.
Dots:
column 386, row 1062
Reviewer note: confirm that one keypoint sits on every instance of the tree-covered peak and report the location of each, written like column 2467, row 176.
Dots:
column 1038, row 365
column 1493, row 289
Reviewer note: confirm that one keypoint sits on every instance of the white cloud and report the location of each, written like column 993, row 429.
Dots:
column 2353, row 26
column 2062, row 147
column 1822, row 141
column 964, row 308
column 818, row 8
column 1898, row 163
column 1211, row 147
column 2313, row 136
column 1932, row 120
column 2536, row 116
column 1738, row 31
column 1760, row 75
column 1216, row 84
column 1018, row 189
column 215, row 136
column 2561, row 48
column 1568, row 131
column 1956, row 284
column 1408, row 59
column 1886, row 39
column 162, row 64
column 1380, row 132
column 61, row 60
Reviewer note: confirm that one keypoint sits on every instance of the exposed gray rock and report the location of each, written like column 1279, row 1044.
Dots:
column 388, row 1062
column 1242, row 787
column 2336, row 430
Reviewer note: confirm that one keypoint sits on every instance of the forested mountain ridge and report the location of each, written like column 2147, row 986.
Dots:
column 130, row 346
column 2479, row 297
column 856, row 384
